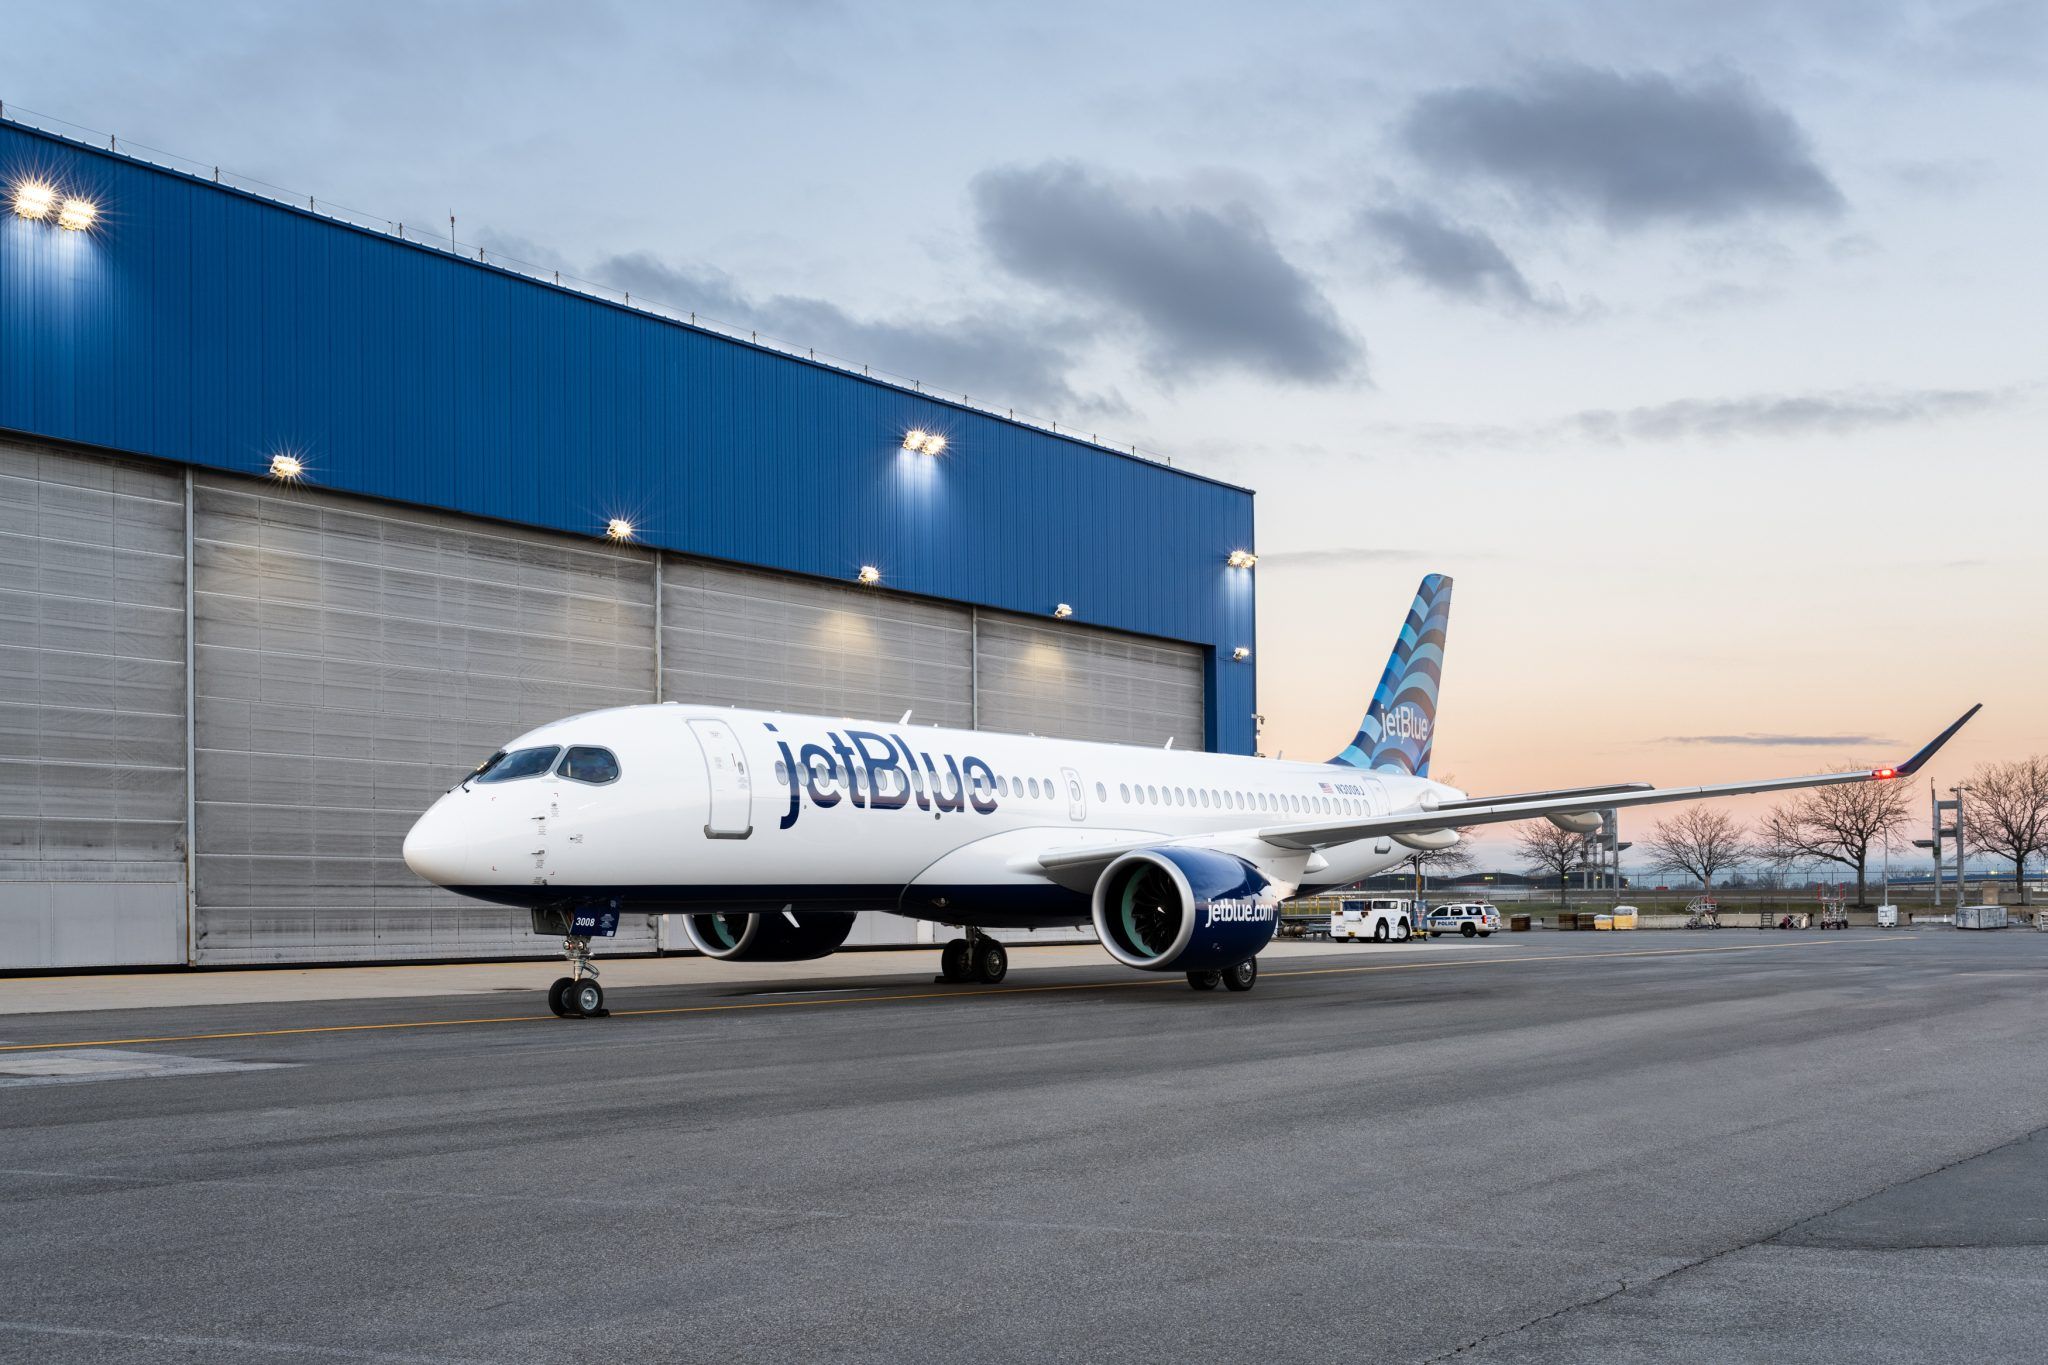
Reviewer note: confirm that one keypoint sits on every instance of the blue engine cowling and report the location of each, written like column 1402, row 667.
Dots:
column 1176, row 909
column 767, row 937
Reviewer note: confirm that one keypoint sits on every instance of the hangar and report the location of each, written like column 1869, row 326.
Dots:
column 301, row 517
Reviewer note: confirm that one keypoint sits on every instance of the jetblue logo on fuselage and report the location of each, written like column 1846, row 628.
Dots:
column 1236, row 910
column 871, row 770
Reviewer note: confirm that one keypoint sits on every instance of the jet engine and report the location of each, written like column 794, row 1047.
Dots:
column 1176, row 909
column 776, row 937
column 1577, row 822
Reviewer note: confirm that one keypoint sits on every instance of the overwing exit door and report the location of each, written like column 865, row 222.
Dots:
column 731, row 815
column 1077, row 799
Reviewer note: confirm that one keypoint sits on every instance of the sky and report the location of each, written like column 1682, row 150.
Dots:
column 1703, row 343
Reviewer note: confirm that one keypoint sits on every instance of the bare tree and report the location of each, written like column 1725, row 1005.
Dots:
column 1834, row 825
column 1442, row 862
column 1699, row 841
column 1556, row 851
column 2006, row 813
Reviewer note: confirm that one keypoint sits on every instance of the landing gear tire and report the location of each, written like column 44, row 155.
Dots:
column 1468, row 931
column 991, row 962
column 558, row 998
column 956, row 961
column 1205, row 981
column 1243, row 976
column 586, row 998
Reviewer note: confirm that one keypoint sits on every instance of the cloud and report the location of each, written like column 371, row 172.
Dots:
column 1826, row 413
column 1463, row 262
column 1767, row 741
column 1344, row 557
column 1780, row 414
column 1206, row 288
column 1632, row 149
column 997, row 361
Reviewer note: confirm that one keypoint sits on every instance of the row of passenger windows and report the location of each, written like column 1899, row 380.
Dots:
column 580, row 763
column 893, row 782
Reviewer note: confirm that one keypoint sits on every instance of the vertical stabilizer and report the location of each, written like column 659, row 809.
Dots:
column 1399, row 725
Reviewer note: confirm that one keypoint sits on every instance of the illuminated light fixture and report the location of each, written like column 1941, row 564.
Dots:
column 1241, row 559
column 1241, row 653
column 34, row 199
column 869, row 574
column 77, row 215
column 290, row 468
column 1062, row 612
column 618, row 528
column 914, row 439
column 1884, row 774
column 934, row 444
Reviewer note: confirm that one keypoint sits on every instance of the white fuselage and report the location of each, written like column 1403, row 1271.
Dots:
column 721, row 808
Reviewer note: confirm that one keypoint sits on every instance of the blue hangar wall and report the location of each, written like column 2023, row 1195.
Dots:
column 202, row 325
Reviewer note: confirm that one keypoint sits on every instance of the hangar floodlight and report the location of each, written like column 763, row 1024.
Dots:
column 618, row 528
column 1241, row 653
column 1062, row 612
column 1241, row 559
column 77, row 215
column 914, row 439
column 934, row 444
column 290, row 468
column 33, row 199
column 869, row 574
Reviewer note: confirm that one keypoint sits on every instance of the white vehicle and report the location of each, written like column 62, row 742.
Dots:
column 1469, row 918
column 1379, row 920
column 768, row 831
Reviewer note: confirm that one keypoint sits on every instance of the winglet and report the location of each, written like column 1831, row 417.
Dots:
column 1913, row 764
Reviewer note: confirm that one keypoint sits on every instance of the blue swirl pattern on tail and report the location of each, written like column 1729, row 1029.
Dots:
column 1396, row 732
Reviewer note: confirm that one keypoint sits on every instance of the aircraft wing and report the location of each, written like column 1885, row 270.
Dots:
column 1309, row 836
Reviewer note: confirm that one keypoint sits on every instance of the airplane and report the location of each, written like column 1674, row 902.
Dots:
column 768, row 831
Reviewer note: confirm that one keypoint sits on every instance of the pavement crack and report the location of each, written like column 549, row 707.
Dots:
column 1625, row 1286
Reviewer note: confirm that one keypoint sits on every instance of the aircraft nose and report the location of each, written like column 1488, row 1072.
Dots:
column 433, row 849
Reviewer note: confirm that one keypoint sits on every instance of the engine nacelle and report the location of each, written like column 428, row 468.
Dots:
column 1176, row 909
column 766, row 938
column 1577, row 822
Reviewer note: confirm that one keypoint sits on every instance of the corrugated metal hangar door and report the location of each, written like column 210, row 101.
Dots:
column 738, row 638
column 353, row 660
column 92, row 710
column 1044, row 679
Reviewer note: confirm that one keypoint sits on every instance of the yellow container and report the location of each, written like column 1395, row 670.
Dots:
column 1603, row 921
column 1624, row 920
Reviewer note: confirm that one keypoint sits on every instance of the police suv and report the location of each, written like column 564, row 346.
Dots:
column 1470, row 918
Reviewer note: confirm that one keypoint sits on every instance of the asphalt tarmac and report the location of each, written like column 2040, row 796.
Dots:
column 1559, row 1147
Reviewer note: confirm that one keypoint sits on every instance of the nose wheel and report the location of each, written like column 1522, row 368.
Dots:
column 577, row 995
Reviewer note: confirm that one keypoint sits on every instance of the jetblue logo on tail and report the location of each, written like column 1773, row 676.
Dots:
column 1400, row 723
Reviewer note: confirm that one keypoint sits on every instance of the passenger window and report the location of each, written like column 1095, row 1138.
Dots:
column 1101, row 792
column 588, row 763
column 522, row 763
column 1205, row 798
column 1034, row 787
column 1151, row 796
column 781, row 773
column 1123, row 791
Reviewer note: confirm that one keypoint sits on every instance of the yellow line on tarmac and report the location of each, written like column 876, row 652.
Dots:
column 733, row 1006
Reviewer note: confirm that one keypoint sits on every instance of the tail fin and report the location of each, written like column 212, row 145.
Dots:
column 1396, row 732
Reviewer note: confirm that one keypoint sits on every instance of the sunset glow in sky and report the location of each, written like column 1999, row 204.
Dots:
column 1702, row 343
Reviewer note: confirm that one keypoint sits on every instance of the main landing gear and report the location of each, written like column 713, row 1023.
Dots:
column 974, row 958
column 577, row 995
column 1242, row 977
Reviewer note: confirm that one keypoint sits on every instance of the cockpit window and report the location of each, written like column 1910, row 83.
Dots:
column 588, row 763
column 520, row 763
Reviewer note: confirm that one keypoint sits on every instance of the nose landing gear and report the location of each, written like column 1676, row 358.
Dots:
column 577, row 995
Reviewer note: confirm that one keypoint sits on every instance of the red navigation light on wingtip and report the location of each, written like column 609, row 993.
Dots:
column 1881, row 774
